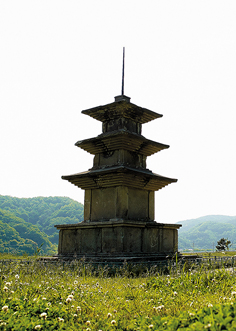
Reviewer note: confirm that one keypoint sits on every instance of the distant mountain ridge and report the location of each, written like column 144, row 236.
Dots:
column 205, row 231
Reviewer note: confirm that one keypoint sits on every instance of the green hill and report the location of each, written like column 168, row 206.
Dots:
column 31, row 222
column 19, row 237
column 26, row 223
column 204, row 232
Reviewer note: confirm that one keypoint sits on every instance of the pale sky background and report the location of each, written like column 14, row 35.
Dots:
column 60, row 57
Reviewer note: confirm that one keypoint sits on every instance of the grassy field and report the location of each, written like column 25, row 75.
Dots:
column 37, row 296
column 212, row 254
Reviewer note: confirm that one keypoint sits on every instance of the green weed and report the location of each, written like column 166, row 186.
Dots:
column 78, row 296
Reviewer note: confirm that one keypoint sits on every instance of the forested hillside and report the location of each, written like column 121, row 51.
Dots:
column 204, row 232
column 19, row 237
column 26, row 223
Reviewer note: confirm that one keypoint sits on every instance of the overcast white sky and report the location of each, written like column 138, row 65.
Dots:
column 60, row 57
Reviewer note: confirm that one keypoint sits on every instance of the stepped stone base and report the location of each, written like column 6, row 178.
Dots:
column 117, row 240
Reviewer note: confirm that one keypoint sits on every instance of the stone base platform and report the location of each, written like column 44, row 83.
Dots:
column 117, row 241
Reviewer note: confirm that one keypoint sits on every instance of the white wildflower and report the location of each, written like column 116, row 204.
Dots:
column 68, row 300
column 5, row 308
column 43, row 315
column 37, row 327
column 159, row 308
column 208, row 326
column 113, row 322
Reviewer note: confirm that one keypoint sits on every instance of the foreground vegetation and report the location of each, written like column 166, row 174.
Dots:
column 53, row 296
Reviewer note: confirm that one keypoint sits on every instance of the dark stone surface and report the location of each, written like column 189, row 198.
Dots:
column 117, row 238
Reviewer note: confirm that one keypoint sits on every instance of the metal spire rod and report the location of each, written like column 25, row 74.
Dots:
column 123, row 72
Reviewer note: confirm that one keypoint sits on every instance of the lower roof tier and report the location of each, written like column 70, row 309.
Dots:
column 121, row 139
column 119, row 176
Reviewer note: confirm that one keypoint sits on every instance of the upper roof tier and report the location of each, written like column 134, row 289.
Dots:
column 122, row 108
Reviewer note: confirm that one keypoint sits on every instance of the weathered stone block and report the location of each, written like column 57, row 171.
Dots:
column 133, row 240
column 103, row 204
column 119, row 202
column 138, row 204
column 121, row 238
column 151, row 239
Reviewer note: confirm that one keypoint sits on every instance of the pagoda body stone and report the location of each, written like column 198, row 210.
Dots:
column 119, row 192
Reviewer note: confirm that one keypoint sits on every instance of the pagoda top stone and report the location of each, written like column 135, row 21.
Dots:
column 122, row 108
column 122, row 98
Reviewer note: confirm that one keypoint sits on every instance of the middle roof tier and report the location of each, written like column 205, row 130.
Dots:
column 121, row 139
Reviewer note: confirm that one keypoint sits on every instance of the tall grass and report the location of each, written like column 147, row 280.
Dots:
column 77, row 296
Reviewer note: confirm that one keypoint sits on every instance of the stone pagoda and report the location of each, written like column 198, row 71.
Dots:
column 119, row 192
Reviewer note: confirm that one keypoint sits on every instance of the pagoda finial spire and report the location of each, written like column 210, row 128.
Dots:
column 123, row 72
column 122, row 97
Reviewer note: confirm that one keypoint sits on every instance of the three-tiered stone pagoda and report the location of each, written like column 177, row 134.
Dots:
column 119, row 192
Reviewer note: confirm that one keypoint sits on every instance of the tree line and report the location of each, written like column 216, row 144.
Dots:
column 205, row 232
